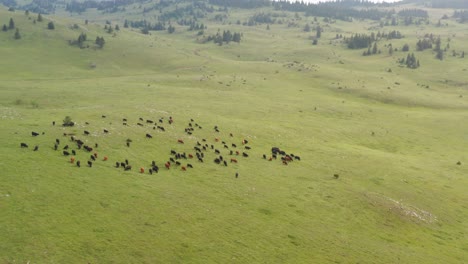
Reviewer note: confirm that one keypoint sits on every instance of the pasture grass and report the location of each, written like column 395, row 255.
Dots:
column 400, row 196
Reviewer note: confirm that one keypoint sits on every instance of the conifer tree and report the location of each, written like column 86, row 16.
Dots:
column 17, row 34
column 11, row 25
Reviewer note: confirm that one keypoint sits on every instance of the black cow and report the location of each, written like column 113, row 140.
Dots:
column 36, row 148
column 128, row 167
column 225, row 163
column 149, row 121
column 189, row 165
column 55, row 147
column 73, row 152
column 86, row 132
column 245, row 154
column 297, row 157
column 66, row 147
column 122, row 164
column 155, row 168
column 103, row 116
column 140, row 124
column 275, row 150
column 148, row 136
column 57, row 141
column 34, row 134
column 90, row 163
column 217, row 161
column 216, row 151
column 24, row 145
column 117, row 164
column 66, row 153
column 247, row 147
column 78, row 164
column 106, row 131
column 53, row 123
column 93, row 158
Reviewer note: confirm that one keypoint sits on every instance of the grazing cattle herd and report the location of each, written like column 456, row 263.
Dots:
column 76, row 148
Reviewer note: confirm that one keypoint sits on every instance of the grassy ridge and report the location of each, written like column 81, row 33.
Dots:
column 395, row 150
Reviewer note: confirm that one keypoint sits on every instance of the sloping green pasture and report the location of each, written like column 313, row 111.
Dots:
column 400, row 196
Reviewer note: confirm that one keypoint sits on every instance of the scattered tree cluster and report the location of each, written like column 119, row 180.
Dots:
column 359, row 41
column 80, row 41
column 225, row 37
column 261, row 18
column 100, row 42
column 11, row 26
column 461, row 16
column 427, row 43
column 410, row 62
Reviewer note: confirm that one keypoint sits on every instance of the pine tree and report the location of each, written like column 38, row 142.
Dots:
column 26, row 12
column 390, row 50
column 307, row 28
column 51, row 25
column 440, row 55
column 4, row 28
column 437, row 42
column 374, row 49
column 462, row 54
column 117, row 28
column 319, row 32
column 11, row 25
column 39, row 17
column 126, row 24
column 17, row 34
column 171, row 29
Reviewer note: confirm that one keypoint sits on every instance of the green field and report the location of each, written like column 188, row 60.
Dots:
column 393, row 138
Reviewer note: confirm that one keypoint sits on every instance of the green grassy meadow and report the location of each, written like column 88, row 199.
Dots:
column 400, row 196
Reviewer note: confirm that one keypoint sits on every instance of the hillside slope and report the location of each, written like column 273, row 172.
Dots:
column 381, row 176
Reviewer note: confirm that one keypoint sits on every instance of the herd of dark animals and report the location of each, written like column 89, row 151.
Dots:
column 176, row 159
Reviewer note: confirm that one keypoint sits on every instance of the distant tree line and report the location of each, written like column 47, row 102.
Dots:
column 448, row 3
column 241, row 3
column 413, row 13
column 110, row 6
column 342, row 10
